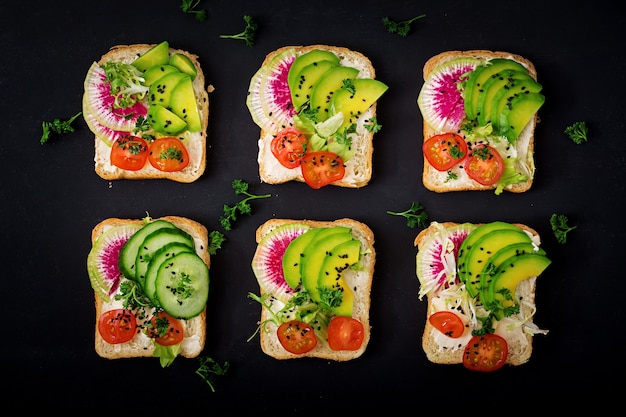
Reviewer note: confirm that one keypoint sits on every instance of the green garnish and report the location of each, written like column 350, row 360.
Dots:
column 415, row 216
column 451, row 176
column 57, row 126
column 559, row 225
column 247, row 34
column 401, row 28
column 577, row 132
column 210, row 366
column 189, row 6
column 242, row 207
column 126, row 84
column 372, row 125
column 215, row 241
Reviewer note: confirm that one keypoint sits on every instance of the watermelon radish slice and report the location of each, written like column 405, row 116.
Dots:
column 267, row 262
column 102, row 261
column 269, row 98
column 99, row 102
column 436, row 260
column 107, row 135
column 441, row 100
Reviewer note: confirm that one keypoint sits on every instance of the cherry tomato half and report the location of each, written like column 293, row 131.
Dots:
column 445, row 150
column 297, row 337
column 345, row 333
column 168, row 154
column 289, row 146
column 447, row 323
column 129, row 153
column 484, row 165
column 117, row 326
column 485, row 353
column 165, row 329
column 322, row 168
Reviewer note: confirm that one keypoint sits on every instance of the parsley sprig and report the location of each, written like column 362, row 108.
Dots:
column 209, row 366
column 189, row 6
column 247, row 34
column 242, row 207
column 401, row 28
column 560, row 227
column 577, row 132
column 415, row 216
column 58, row 127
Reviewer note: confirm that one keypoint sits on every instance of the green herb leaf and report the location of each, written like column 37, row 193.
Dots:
column 189, row 6
column 215, row 241
column 242, row 207
column 58, row 127
column 400, row 28
column 247, row 34
column 577, row 132
column 415, row 216
column 560, row 228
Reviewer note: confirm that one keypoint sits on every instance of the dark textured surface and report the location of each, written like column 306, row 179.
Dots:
column 51, row 199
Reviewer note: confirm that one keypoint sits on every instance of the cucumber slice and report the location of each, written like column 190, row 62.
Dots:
column 153, row 242
column 161, row 255
column 128, row 254
column 182, row 285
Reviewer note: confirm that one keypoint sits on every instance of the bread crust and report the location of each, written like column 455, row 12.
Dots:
column 359, row 167
column 141, row 346
column 520, row 351
column 269, row 342
column 435, row 180
column 196, row 143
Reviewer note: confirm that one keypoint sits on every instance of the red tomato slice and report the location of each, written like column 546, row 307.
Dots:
column 297, row 337
column 485, row 353
column 129, row 153
column 117, row 326
column 445, row 150
column 322, row 168
column 345, row 333
column 165, row 329
column 168, row 154
column 289, row 146
column 484, row 165
column 447, row 323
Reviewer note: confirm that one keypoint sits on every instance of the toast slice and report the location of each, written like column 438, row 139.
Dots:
column 518, row 329
column 523, row 151
column 359, row 166
column 141, row 345
column 360, row 281
column 195, row 142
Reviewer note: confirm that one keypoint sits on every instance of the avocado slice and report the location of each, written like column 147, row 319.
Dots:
column 184, row 64
column 355, row 101
column 293, row 256
column 163, row 120
column 477, row 78
column 183, row 103
column 517, row 113
column 155, row 72
column 502, row 80
column 161, row 90
column 157, row 55
column 325, row 88
column 331, row 277
column 307, row 78
column 314, row 254
column 503, row 97
column 301, row 61
column 513, row 271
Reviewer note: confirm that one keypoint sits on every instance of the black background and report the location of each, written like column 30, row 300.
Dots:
column 51, row 198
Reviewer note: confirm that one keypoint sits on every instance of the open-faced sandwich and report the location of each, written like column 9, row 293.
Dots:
column 316, row 107
column 151, row 283
column 315, row 279
column 148, row 108
column 480, row 281
column 479, row 113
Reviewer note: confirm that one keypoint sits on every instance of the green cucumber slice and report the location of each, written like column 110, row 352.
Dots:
column 153, row 242
column 128, row 254
column 162, row 255
column 182, row 285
